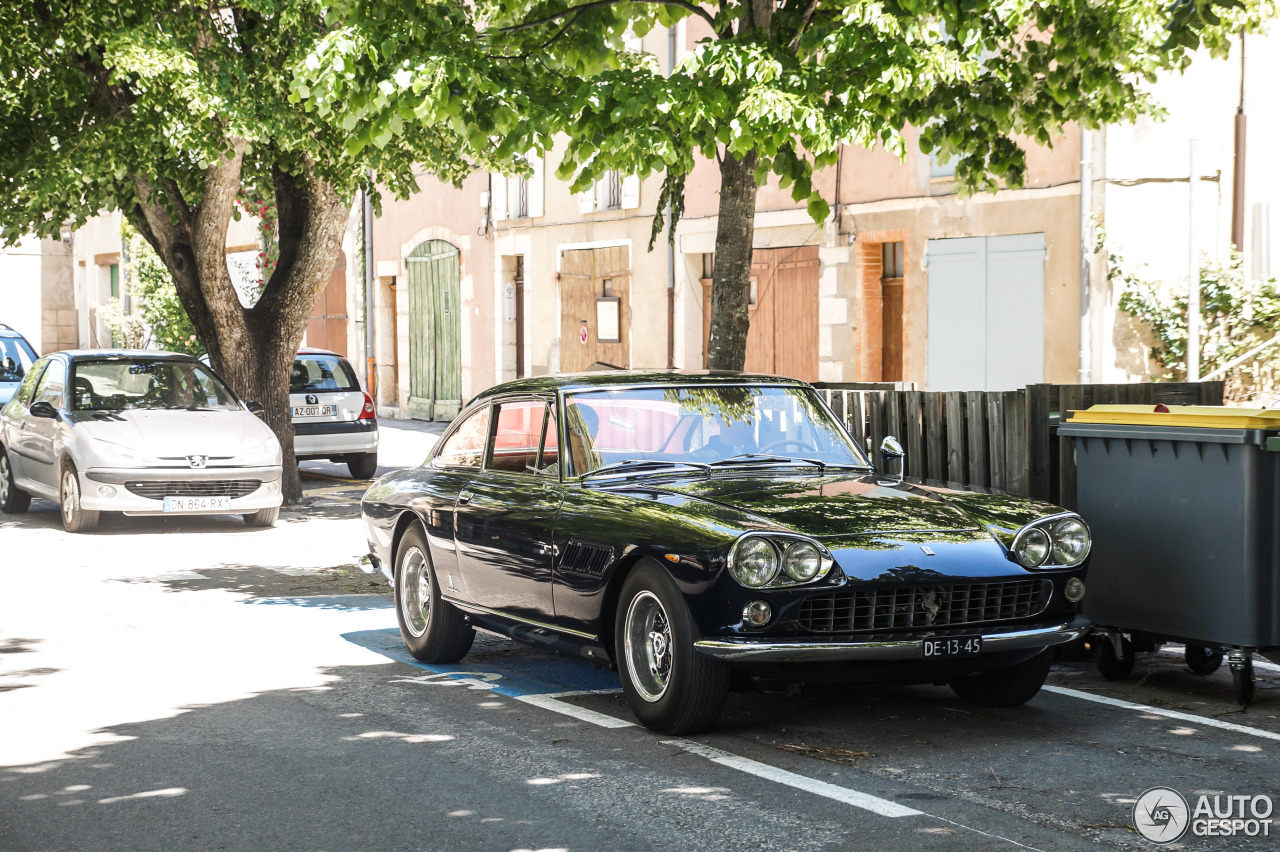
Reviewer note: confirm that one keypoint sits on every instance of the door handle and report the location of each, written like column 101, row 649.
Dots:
column 464, row 497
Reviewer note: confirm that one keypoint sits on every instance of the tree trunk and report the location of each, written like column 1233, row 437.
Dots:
column 731, row 280
column 252, row 348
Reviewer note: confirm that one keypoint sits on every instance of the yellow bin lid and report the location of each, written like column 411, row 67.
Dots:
column 1211, row 416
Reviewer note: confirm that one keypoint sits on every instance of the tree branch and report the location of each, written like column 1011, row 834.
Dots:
column 692, row 8
column 805, row 19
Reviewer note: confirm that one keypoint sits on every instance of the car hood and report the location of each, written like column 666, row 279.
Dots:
column 176, row 433
column 836, row 506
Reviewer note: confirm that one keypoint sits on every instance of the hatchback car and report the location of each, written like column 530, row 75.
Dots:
column 332, row 418
column 141, row 433
column 16, row 358
column 685, row 528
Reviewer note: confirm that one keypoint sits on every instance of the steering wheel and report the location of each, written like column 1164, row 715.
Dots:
column 801, row 444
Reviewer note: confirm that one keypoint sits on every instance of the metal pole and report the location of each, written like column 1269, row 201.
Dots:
column 1086, row 253
column 671, row 249
column 1193, row 270
column 1237, row 205
column 370, row 360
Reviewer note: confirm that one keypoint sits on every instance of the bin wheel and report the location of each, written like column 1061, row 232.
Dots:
column 1242, row 681
column 1109, row 665
column 1203, row 660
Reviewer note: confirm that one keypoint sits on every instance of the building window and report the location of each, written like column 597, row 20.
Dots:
column 519, row 197
column 611, row 191
column 891, row 260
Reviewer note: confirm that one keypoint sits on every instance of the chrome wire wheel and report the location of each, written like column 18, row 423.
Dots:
column 648, row 646
column 414, row 589
column 4, row 479
column 70, row 496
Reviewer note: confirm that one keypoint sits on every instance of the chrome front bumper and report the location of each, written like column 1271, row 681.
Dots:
column 373, row 566
column 890, row 649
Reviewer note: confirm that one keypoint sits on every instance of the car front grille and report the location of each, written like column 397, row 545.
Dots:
column 194, row 488
column 923, row 607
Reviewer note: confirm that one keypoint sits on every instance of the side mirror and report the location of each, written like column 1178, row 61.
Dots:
column 255, row 408
column 44, row 409
column 891, row 455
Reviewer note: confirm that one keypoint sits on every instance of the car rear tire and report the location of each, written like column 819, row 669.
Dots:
column 433, row 629
column 263, row 517
column 13, row 500
column 362, row 465
column 75, row 518
column 1006, row 687
column 1203, row 660
column 670, row 687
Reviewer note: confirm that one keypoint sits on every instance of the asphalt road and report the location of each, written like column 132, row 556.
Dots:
column 196, row 684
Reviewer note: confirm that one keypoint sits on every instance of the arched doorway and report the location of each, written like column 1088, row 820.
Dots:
column 435, row 331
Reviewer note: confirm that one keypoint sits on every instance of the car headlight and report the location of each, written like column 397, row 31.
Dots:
column 754, row 562
column 1059, row 542
column 263, row 452
column 802, row 561
column 116, row 453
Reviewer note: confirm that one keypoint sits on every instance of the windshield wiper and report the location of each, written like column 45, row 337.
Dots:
column 637, row 464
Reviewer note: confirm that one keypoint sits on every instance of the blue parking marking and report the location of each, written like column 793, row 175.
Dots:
column 492, row 665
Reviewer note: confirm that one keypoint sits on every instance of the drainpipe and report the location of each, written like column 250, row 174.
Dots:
column 1237, row 200
column 1086, row 252
column 1193, row 269
column 671, row 248
column 370, row 360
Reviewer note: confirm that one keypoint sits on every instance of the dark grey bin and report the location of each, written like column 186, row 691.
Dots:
column 1186, row 535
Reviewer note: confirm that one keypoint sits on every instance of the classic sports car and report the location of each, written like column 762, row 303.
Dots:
column 684, row 527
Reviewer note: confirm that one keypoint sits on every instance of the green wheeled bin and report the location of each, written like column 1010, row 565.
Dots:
column 1184, row 506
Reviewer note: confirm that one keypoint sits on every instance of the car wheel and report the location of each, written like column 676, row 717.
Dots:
column 75, row 518
column 1111, row 666
column 669, row 686
column 1006, row 687
column 362, row 465
column 13, row 500
column 263, row 517
column 433, row 629
column 1202, row 660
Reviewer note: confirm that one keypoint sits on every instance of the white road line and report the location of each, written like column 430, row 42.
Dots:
column 1172, row 714
column 552, row 702
column 867, row 802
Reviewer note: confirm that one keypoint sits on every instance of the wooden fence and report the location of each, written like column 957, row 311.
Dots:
column 1003, row 441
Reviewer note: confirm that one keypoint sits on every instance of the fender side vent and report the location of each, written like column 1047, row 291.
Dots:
column 583, row 558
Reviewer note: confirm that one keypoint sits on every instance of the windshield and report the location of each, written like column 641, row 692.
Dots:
column 708, row 425
column 317, row 373
column 139, row 383
column 15, row 359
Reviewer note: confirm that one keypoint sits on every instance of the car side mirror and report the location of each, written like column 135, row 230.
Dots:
column 255, row 408
column 892, row 456
column 44, row 409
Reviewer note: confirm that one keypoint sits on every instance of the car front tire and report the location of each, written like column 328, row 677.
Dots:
column 13, row 500
column 433, row 629
column 362, row 465
column 670, row 687
column 75, row 518
column 1006, row 687
column 263, row 517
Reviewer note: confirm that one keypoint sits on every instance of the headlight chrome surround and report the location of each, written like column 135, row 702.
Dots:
column 778, row 560
column 1058, row 541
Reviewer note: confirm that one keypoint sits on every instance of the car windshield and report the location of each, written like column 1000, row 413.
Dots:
column 719, row 425
column 15, row 359
column 118, row 384
column 317, row 373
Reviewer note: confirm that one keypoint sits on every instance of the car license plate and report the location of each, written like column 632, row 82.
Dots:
column 197, row 504
column 952, row 647
column 315, row 410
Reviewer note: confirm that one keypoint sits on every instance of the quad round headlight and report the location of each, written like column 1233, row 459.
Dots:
column 1071, row 542
column 755, row 562
column 802, row 562
column 1032, row 547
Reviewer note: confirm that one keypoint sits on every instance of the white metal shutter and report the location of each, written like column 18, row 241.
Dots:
column 630, row 192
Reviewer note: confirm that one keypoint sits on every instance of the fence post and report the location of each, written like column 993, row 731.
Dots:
column 914, row 428
column 957, row 438
column 1015, row 443
column 975, row 408
column 935, row 438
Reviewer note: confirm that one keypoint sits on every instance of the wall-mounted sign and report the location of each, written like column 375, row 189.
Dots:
column 609, row 319
column 582, row 333
column 509, row 302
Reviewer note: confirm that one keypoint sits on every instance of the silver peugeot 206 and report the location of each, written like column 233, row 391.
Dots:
column 136, row 432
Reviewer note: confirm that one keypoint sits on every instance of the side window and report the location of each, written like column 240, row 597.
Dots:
column 465, row 447
column 28, row 388
column 53, row 385
column 550, row 462
column 515, row 438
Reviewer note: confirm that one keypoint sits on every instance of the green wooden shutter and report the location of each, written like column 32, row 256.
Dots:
column 435, row 331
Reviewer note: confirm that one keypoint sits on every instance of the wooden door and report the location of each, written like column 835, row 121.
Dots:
column 327, row 328
column 435, row 331
column 783, row 337
column 891, row 329
column 586, row 276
